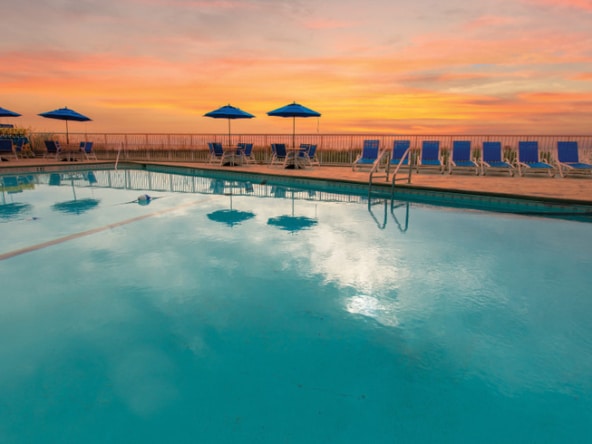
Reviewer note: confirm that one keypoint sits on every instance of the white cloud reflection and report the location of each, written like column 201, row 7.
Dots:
column 461, row 306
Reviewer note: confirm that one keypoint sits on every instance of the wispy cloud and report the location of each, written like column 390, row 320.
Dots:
column 583, row 5
column 160, row 64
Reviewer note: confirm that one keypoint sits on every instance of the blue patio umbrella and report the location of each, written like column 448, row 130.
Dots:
column 294, row 110
column 65, row 114
column 229, row 112
column 7, row 113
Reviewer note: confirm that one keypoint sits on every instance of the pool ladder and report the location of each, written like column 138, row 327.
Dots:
column 390, row 203
column 385, row 159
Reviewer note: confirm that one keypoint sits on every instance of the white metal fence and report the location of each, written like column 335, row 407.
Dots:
column 332, row 149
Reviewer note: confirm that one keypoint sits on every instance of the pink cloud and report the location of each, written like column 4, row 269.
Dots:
column 584, row 5
column 491, row 21
column 328, row 24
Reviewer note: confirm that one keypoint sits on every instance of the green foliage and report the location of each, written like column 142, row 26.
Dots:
column 445, row 153
column 13, row 133
column 509, row 154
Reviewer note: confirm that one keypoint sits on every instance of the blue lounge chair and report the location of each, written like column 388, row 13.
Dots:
column 6, row 149
column 400, row 156
column 368, row 156
column 300, row 156
column 311, row 156
column 216, row 152
column 529, row 161
column 86, row 149
column 22, row 148
column 53, row 148
column 492, row 159
column 400, row 153
column 430, row 158
column 246, row 151
column 568, row 160
column 278, row 153
column 460, row 159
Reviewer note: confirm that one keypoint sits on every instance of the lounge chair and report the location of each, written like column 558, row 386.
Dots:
column 22, row 148
column 312, row 158
column 86, row 149
column 246, row 151
column 529, row 161
column 216, row 152
column 278, row 153
column 6, row 149
column 568, row 160
column 368, row 156
column 460, row 158
column 492, row 160
column 430, row 158
column 400, row 156
column 53, row 148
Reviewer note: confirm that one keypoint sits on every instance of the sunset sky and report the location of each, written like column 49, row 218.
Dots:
column 374, row 66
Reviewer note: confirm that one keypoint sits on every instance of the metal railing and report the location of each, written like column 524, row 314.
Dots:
column 332, row 149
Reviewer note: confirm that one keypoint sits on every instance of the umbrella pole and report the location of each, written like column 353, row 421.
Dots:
column 293, row 132
column 67, row 138
column 229, row 136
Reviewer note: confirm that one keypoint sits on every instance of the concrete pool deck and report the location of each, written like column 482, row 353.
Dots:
column 569, row 189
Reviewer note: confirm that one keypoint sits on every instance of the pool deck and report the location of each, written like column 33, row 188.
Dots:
column 569, row 189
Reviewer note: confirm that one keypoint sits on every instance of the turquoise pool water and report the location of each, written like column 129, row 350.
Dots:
column 172, row 322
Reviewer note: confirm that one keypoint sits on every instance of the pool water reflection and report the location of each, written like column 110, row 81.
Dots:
column 143, row 323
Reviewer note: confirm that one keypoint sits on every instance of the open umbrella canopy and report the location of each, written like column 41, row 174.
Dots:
column 7, row 113
column 293, row 110
column 229, row 112
column 76, row 206
column 65, row 114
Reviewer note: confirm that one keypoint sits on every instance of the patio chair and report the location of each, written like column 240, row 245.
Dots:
column 310, row 156
column 279, row 153
column 22, row 148
column 6, row 149
column 216, row 152
column 493, row 161
column 460, row 159
column 400, row 156
column 53, row 148
column 246, row 151
column 430, row 158
column 368, row 156
column 86, row 149
column 568, row 160
column 529, row 161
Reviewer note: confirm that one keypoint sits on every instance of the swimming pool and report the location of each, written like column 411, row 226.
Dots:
column 313, row 315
